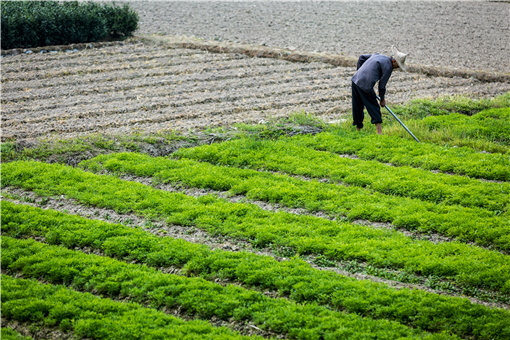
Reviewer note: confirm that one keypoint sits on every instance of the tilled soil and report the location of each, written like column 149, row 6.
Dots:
column 148, row 89
column 461, row 34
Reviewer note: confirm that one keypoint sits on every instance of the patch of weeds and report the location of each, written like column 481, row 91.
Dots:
column 131, row 146
column 323, row 261
column 306, row 118
column 283, row 251
column 149, row 225
column 103, row 142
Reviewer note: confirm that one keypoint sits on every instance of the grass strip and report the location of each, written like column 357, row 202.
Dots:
column 194, row 295
column 89, row 316
column 463, row 263
column 293, row 278
column 465, row 223
column 406, row 152
column 399, row 181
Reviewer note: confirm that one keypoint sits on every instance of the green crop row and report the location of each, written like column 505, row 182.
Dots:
column 492, row 125
column 89, row 316
column 281, row 156
column 305, row 234
column 444, row 105
column 474, row 224
column 193, row 295
column 10, row 334
column 402, row 152
column 293, row 278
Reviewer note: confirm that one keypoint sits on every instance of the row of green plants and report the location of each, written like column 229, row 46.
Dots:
column 93, row 317
column 43, row 23
column 11, row 334
column 294, row 278
column 406, row 152
column 420, row 108
column 192, row 295
column 472, row 224
column 475, row 136
column 284, row 157
column 486, row 131
column 457, row 261
column 492, row 125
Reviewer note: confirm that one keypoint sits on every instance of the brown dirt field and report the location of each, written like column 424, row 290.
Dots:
column 149, row 88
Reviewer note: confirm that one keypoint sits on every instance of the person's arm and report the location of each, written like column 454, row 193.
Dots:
column 362, row 59
column 386, row 74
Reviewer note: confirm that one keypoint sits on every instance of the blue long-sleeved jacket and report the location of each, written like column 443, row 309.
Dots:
column 372, row 68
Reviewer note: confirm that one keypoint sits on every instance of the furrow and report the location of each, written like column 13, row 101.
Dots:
column 174, row 89
column 167, row 98
column 105, row 67
column 165, row 112
column 173, row 86
column 223, row 72
column 198, row 66
column 202, row 120
column 77, row 60
column 93, row 52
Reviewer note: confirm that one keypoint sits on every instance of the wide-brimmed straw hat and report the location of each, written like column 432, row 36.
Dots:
column 400, row 58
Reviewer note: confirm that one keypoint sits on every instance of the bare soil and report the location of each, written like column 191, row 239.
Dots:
column 142, row 88
column 460, row 34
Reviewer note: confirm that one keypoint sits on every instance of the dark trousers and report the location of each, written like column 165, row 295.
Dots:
column 360, row 100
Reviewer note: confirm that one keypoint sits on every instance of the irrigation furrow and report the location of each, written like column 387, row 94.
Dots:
column 170, row 88
column 35, row 66
column 217, row 74
column 180, row 85
column 356, row 269
column 165, row 114
column 163, row 100
column 186, row 120
column 261, row 90
column 122, row 67
column 171, row 91
column 160, row 99
column 106, row 50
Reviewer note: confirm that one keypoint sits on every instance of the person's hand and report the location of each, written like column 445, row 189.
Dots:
column 383, row 103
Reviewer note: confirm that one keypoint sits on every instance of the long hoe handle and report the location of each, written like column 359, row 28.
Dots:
column 405, row 127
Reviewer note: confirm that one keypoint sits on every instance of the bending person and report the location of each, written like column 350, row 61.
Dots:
column 370, row 69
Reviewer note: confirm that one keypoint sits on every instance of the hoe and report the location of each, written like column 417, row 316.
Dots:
column 405, row 127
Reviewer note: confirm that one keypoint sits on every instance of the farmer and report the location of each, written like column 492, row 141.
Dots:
column 370, row 69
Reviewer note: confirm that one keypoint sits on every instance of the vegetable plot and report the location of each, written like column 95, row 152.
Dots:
column 293, row 279
column 466, row 264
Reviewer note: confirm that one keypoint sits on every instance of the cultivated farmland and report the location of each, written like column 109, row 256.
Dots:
column 330, row 235
column 143, row 88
